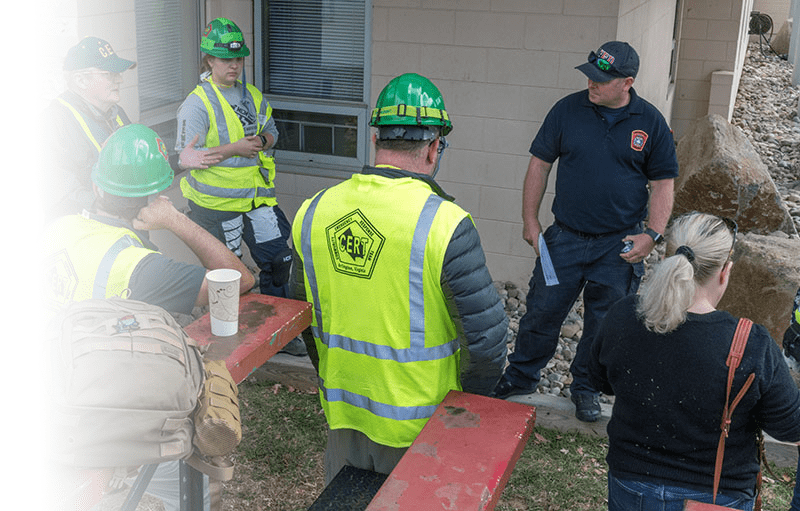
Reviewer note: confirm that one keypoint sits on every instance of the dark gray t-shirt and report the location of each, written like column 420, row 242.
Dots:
column 170, row 284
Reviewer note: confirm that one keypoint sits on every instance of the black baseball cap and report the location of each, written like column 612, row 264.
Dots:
column 95, row 52
column 614, row 59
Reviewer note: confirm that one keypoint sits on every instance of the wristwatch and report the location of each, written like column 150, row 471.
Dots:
column 263, row 140
column 658, row 238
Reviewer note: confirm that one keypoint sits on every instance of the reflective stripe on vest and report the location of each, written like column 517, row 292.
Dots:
column 240, row 185
column 416, row 352
column 84, row 126
column 398, row 413
column 110, row 257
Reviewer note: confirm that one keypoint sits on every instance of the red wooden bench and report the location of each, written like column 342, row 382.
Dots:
column 462, row 458
column 266, row 325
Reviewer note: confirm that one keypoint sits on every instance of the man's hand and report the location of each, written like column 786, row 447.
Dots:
column 530, row 233
column 192, row 158
column 159, row 214
column 642, row 246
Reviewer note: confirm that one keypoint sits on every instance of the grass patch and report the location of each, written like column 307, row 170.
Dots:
column 279, row 462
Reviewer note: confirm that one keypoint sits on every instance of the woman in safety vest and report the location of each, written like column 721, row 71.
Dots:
column 225, row 127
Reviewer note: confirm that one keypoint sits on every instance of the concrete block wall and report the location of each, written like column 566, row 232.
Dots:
column 778, row 10
column 713, row 39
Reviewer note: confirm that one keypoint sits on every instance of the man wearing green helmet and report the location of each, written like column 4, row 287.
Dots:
column 80, row 120
column 404, row 306
column 107, row 252
column 225, row 130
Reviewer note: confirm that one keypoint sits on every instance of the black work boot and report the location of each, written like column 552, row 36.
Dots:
column 587, row 406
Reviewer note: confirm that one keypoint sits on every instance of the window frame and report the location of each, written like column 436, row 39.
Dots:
column 361, row 110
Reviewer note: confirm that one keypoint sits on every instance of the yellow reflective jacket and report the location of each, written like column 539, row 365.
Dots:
column 388, row 348
column 89, row 259
column 241, row 188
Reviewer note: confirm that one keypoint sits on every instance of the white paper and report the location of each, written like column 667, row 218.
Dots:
column 550, row 278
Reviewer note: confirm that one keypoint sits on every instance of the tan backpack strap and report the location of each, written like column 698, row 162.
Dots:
column 734, row 359
column 218, row 467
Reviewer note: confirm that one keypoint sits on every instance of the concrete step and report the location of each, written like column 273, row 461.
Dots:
column 552, row 412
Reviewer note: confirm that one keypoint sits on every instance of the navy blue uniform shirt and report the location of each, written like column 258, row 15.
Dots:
column 603, row 169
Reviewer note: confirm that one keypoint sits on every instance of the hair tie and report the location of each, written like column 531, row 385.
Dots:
column 685, row 251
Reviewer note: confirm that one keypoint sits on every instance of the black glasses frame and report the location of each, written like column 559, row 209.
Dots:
column 733, row 227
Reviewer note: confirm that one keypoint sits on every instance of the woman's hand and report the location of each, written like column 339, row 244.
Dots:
column 248, row 147
column 191, row 158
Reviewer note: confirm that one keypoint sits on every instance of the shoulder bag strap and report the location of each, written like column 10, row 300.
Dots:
column 734, row 358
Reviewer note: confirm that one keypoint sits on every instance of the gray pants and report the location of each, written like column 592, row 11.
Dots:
column 354, row 448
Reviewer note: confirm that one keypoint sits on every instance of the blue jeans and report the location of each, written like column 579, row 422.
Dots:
column 625, row 495
column 589, row 264
column 264, row 230
column 796, row 498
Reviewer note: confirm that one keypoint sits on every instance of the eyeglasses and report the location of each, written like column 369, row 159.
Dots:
column 443, row 144
column 108, row 75
column 733, row 227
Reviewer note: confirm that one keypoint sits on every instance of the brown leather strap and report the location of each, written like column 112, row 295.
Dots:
column 734, row 358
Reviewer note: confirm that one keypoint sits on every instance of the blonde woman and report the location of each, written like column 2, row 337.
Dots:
column 662, row 354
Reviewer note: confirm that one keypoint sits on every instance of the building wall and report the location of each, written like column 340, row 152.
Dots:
column 778, row 10
column 71, row 21
column 500, row 64
column 712, row 50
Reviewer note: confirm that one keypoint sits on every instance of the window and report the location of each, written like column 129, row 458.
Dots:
column 168, row 46
column 676, row 39
column 315, row 75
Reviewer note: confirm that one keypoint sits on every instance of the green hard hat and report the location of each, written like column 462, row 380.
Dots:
column 133, row 163
column 410, row 100
column 222, row 38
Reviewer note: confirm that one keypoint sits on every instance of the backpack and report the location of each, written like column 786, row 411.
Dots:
column 126, row 381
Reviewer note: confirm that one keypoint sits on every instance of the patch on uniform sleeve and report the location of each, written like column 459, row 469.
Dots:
column 354, row 245
column 638, row 140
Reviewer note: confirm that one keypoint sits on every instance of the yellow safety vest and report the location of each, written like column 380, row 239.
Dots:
column 230, row 188
column 89, row 259
column 85, row 126
column 372, row 250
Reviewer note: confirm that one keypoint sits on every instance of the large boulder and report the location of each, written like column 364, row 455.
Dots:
column 722, row 174
column 780, row 43
column 764, row 280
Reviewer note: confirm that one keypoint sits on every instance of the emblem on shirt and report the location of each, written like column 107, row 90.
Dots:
column 62, row 279
column 354, row 245
column 638, row 140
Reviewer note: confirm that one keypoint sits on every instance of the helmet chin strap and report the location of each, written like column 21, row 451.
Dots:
column 244, row 80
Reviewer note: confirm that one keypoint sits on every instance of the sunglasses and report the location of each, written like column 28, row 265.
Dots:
column 733, row 227
column 443, row 144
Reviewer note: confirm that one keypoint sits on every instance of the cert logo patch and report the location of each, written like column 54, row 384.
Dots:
column 61, row 278
column 638, row 140
column 354, row 245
